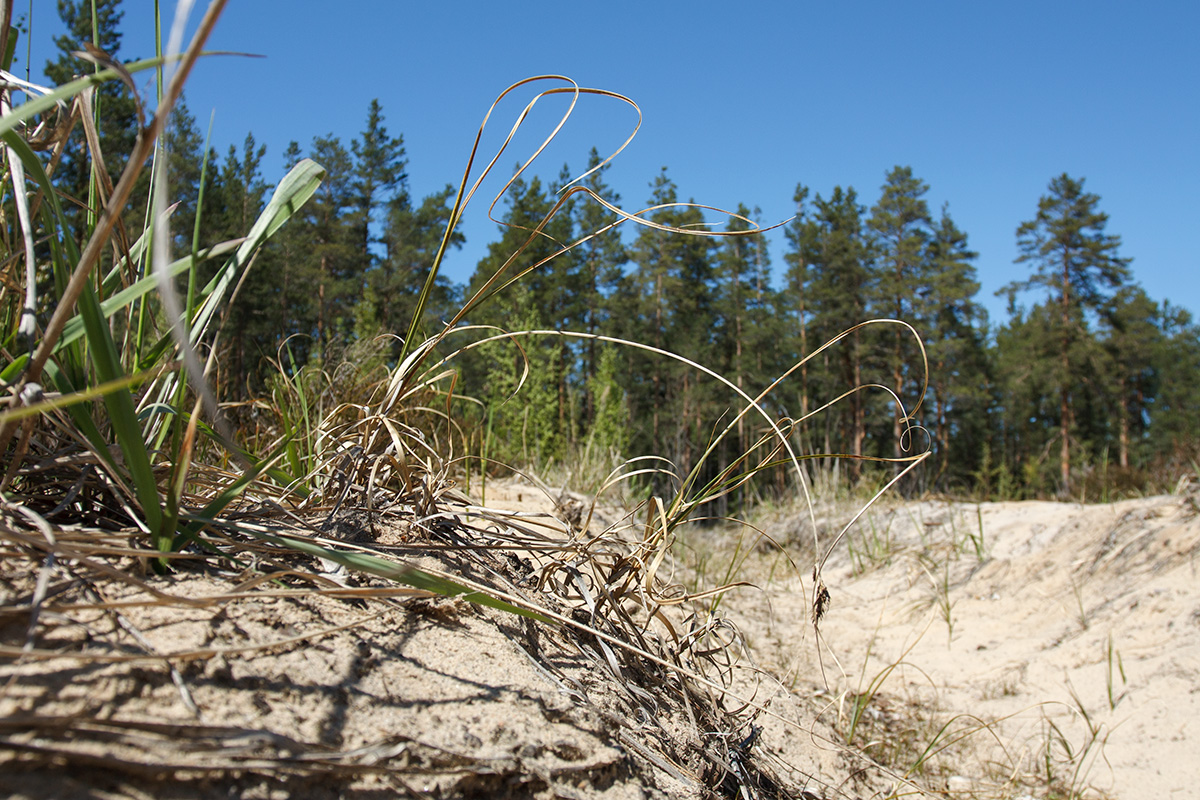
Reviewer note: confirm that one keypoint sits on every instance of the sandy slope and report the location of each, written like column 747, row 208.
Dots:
column 321, row 696
column 240, row 688
column 1065, row 599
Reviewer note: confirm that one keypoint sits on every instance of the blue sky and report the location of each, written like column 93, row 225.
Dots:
column 986, row 102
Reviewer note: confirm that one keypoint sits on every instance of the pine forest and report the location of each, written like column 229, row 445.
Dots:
column 1088, row 385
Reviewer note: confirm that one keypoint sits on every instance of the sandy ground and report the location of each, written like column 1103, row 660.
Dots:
column 214, row 685
column 1074, row 628
column 1055, row 611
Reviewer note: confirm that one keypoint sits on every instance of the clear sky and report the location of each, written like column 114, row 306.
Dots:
column 741, row 101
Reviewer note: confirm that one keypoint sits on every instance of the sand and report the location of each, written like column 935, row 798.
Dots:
column 1077, row 620
column 1060, row 609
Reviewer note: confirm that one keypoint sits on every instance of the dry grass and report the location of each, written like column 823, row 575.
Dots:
column 130, row 503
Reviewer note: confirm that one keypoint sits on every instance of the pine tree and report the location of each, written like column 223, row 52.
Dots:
column 291, row 155
column 335, row 261
column 1076, row 263
column 287, row 260
column 830, row 270
column 537, row 300
column 517, row 251
column 412, row 238
column 239, row 193
column 609, row 429
column 567, row 287
column 113, row 104
column 1025, row 363
column 955, row 332
column 794, row 306
column 241, row 187
column 1174, row 430
column 524, row 420
column 379, row 181
column 744, row 329
column 185, row 158
column 599, row 261
column 1131, row 337
column 901, row 224
column 672, row 287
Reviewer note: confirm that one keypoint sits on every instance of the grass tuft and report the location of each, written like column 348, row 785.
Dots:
column 342, row 478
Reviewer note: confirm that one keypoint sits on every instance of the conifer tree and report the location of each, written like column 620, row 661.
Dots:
column 954, row 331
column 536, row 301
column 599, row 261
column 743, row 327
column 291, row 155
column 241, row 187
column 609, row 429
column 567, row 282
column 1132, row 338
column 517, row 251
column 831, row 268
column 1174, row 430
column 672, row 281
column 287, row 260
column 901, row 224
column 1025, row 360
column 1076, row 264
column 239, row 193
column 113, row 104
column 335, row 261
column 412, row 238
column 793, row 305
column 379, row 181
column 185, row 159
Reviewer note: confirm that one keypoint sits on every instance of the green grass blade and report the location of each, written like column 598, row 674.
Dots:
column 290, row 195
column 392, row 570
column 9, row 373
column 122, row 414
column 37, row 105
column 72, row 398
column 75, row 327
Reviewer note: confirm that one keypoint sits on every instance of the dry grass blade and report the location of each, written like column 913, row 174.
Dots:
column 345, row 523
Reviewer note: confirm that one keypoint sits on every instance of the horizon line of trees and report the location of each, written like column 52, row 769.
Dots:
column 1092, row 375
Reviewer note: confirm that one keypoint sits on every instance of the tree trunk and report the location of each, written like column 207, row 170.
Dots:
column 898, row 387
column 1065, row 449
column 321, row 307
column 859, row 414
column 1123, row 433
column 943, row 428
column 1065, row 394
